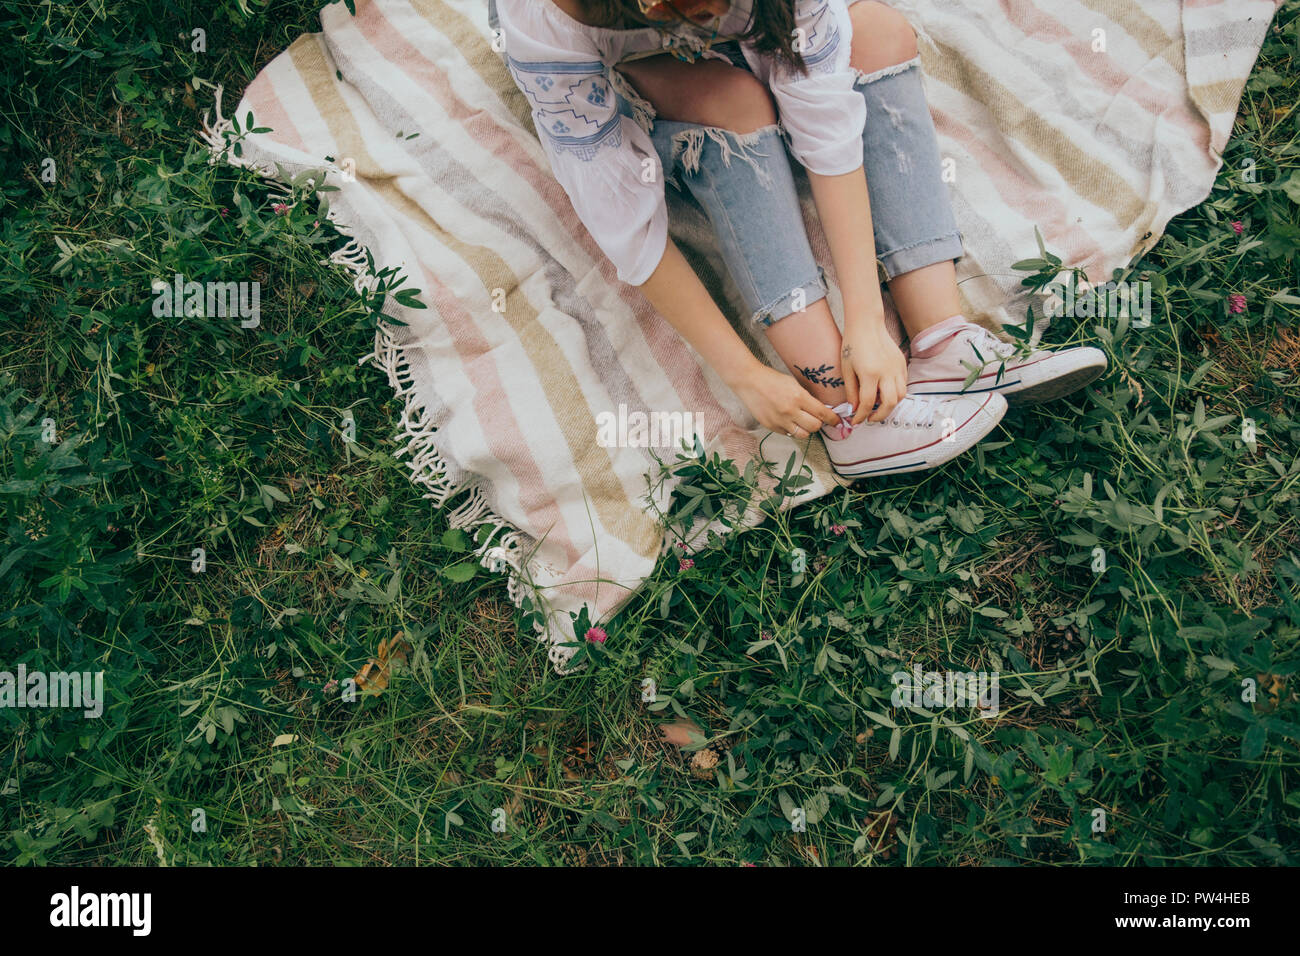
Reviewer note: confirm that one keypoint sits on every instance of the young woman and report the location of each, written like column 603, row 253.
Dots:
column 708, row 95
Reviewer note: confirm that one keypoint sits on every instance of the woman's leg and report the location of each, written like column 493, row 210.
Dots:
column 916, row 234
column 721, row 121
column 917, row 237
column 720, row 129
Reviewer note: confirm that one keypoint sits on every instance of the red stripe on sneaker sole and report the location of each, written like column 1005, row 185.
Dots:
column 912, row 451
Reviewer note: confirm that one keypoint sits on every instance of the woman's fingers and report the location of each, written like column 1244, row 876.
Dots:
column 900, row 378
column 868, row 389
column 810, row 416
column 822, row 411
column 851, row 385
column 805, row 423
column 889, row 397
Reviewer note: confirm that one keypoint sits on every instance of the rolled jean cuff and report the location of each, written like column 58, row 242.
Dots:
column 796, row 300
column 945, row 248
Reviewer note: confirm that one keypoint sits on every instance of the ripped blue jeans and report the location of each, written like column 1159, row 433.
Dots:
column 745, row 185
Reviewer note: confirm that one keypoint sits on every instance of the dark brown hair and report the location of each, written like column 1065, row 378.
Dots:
column 770, row 27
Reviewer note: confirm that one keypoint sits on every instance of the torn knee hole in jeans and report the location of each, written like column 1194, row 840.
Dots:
column 689, row 144
column 860, row 77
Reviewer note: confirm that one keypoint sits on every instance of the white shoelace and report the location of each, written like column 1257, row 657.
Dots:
column 988, row 340
column 915, row 411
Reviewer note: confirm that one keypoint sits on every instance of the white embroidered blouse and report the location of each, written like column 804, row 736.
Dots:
column 599, row 155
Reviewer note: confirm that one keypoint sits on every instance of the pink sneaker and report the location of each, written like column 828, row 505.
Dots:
column 942, row 358
column 921, row 432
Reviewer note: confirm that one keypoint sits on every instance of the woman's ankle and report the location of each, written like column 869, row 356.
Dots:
column 831, row 395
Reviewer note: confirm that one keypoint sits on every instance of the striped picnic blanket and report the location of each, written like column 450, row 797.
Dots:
column 529, row 344
column 1096, row 120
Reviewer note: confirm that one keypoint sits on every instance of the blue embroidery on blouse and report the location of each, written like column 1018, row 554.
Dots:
column 572, row 103
column 821, row 36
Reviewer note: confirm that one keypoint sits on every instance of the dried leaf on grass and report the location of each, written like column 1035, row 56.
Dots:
column 373, row 678
column 577, row 758
column 1274, row 685
column 882, row 831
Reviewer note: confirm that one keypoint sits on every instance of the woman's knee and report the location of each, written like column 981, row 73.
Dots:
column 707, row 92
column 735, row 100
column 882, row 37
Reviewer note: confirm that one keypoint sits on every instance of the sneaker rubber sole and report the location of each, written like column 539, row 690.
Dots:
column 1050, row 377
column 1080, row 371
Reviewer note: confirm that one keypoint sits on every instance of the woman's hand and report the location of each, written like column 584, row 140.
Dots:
column 780, row 403
column 875, row 369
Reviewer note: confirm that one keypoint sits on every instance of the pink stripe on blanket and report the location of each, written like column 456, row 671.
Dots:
column 269, row 110
column 1109, row 79
column 1022, row 194
column 499, row 427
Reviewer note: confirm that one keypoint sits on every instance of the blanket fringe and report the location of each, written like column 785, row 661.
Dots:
column 504, row 549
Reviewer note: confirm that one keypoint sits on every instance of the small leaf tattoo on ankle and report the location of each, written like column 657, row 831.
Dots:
column 821, row 375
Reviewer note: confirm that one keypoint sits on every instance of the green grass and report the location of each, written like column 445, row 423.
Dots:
column 1120, row 690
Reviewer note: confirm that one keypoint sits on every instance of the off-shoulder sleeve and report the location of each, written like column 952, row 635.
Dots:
column 822, row 112
column 606, row 162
